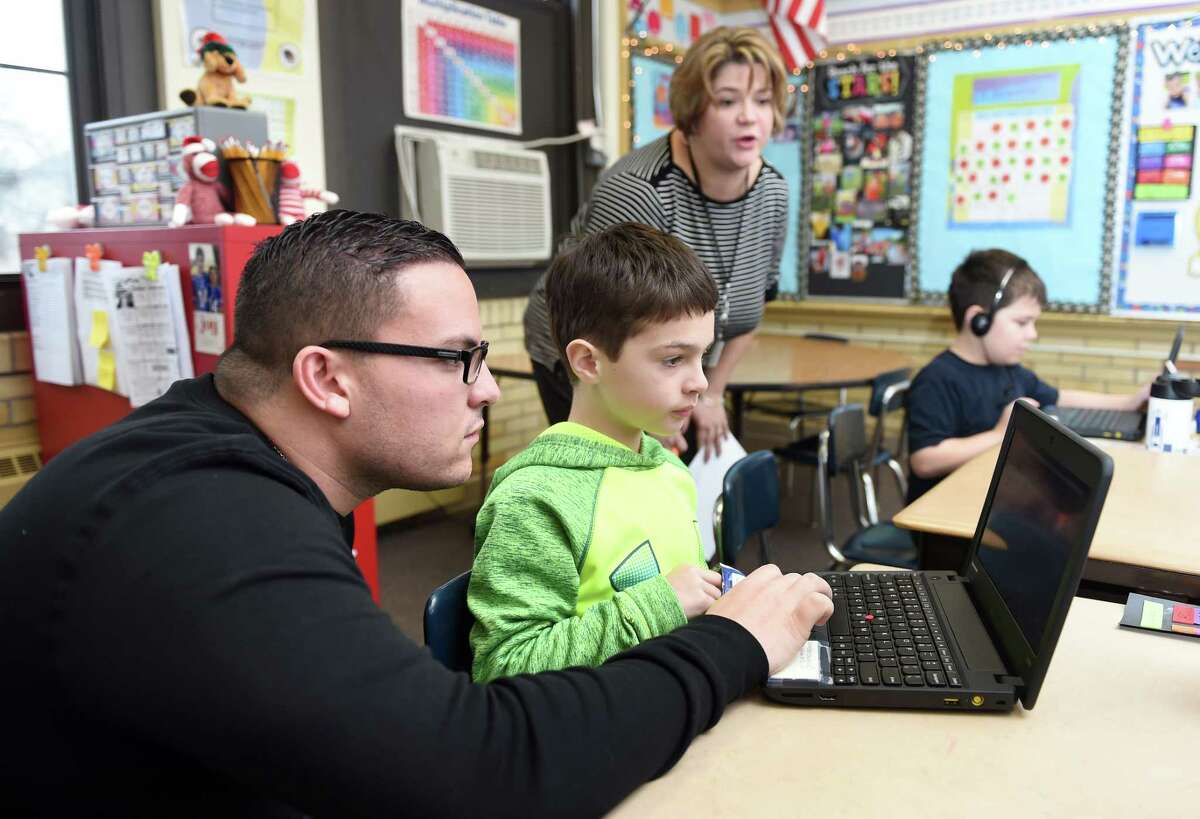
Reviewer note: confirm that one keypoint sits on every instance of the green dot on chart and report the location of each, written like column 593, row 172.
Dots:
column 979, row 163
column 1012, row 160
column 1028, row 176
column 1029, row 145
column 1062, row 140
column 1014, row 127
column 1045, row 160
column 1012, row 197
column 995, row 146
column 978, row 196
column 1062, row 177
column 993, row 180
column 1048, row 123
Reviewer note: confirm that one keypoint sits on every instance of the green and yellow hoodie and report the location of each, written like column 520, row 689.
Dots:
column 572, row 549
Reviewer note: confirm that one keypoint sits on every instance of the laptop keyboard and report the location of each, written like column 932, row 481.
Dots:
column 885, row 631
column 1099, row 419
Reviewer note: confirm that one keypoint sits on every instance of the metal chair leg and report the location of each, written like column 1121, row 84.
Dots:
column 901, row 478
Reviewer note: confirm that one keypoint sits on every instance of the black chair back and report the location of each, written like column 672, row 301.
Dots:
column 879, row 386
column 448, row 624
column 750, row 502
column 847, row 436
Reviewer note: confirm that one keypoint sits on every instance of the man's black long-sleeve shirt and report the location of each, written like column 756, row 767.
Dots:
column 185, row 632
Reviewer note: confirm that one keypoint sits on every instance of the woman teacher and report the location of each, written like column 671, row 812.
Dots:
column 706, row 183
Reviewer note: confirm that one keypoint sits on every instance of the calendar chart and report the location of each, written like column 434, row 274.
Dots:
column 462, row 65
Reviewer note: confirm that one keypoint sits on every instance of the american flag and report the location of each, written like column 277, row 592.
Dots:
column 799, row 27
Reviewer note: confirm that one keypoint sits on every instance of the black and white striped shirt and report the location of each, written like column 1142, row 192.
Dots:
column 646, row 186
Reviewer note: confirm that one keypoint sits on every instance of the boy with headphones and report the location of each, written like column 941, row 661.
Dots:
column 959, row 404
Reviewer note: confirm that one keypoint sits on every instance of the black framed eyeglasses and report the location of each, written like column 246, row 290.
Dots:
column 472, row 359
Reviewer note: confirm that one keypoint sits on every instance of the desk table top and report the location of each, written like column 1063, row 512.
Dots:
column 1106, row 738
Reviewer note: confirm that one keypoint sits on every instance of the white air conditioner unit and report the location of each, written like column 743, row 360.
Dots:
column 489, row 196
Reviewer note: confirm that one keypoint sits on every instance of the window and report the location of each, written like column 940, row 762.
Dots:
column 37, row 137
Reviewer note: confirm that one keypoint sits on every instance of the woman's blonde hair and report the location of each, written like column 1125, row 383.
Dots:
column 692, row 83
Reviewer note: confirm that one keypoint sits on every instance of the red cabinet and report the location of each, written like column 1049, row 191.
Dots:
column 66, row 414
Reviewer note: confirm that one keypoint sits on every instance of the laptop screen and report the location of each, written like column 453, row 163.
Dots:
column 1038, row 512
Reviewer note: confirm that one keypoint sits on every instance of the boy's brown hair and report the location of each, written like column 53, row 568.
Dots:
column 610, row 285
column 692, row 83
column 976, row 280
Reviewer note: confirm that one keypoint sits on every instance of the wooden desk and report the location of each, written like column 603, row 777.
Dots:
column 1148, row 536
column 1106, row 738
column 795, row 364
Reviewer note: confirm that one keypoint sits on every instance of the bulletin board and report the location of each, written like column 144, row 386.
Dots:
column 858, row 198
column 1017, row 147
column 649, row 115
column 1158, row 245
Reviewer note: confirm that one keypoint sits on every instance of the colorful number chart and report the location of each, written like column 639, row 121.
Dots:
column 1013, row 135
column 1017, row 148
column 462, row 65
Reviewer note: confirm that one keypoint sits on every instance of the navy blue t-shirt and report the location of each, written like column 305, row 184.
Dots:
column 952, row 398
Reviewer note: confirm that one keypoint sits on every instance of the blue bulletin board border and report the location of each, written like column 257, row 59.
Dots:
column 1156, row 309
column 938, row 247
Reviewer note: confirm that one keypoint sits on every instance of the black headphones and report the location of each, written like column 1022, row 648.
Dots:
column 982, row 322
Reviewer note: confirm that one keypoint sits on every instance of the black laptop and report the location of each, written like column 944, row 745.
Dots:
column 1126, row 425
column 980, row 640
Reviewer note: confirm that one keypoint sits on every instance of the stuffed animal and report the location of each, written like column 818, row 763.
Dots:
column 221, row 68
column 203, row 200
column 292, row 193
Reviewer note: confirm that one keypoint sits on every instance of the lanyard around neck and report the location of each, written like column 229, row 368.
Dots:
column 725, row 269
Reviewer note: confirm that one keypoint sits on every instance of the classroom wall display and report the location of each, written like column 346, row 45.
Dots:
column 1001, row 161
column 462, row 65
column 1158, row 244
column 650, row 97
column 679, row 22
column 857, row 201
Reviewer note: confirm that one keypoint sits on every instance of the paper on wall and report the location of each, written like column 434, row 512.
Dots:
column 50, row 296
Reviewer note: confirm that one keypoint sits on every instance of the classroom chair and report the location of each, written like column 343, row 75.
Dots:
column 887, row 395
column 888, row 392
column 448, row 624
column 748, row 504
column 842, row 449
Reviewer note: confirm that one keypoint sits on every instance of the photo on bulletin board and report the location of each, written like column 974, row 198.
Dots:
column 858, row 199
column 650, row 87
column 679, row 22
column 650, row 118
column 1158, row 245
column 1017, row 148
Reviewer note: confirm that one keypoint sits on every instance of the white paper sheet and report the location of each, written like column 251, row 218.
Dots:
column 709, row 476
column 95, row 303
column 50, row 295
column 149, row 328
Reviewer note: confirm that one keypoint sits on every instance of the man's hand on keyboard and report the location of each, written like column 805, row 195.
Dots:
column 780, row 610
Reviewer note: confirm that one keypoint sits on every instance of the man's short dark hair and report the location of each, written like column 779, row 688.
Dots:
column 976, row 280
column 332, row 275
column 610, row 285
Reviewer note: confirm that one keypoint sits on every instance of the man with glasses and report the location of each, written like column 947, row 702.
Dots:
column 184, row 628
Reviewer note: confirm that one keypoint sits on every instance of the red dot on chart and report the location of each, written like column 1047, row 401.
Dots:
column 963, row 164
column 1066, row 123
column 991, row 195
column 972, row 177
column 961, row 199
column 1012, row 143
column 1045, row 178
column 1066, row 160
column 1045, row 141
column 995, row 163
column 1006, row 178
column 1030, row 125
column 996, row 128
column 1029, row 162
column 979, row 146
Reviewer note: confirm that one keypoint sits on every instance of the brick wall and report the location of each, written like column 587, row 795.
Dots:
column 18, row 419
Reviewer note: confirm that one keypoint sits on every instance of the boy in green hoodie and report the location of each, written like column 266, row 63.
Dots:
column 588, row 543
